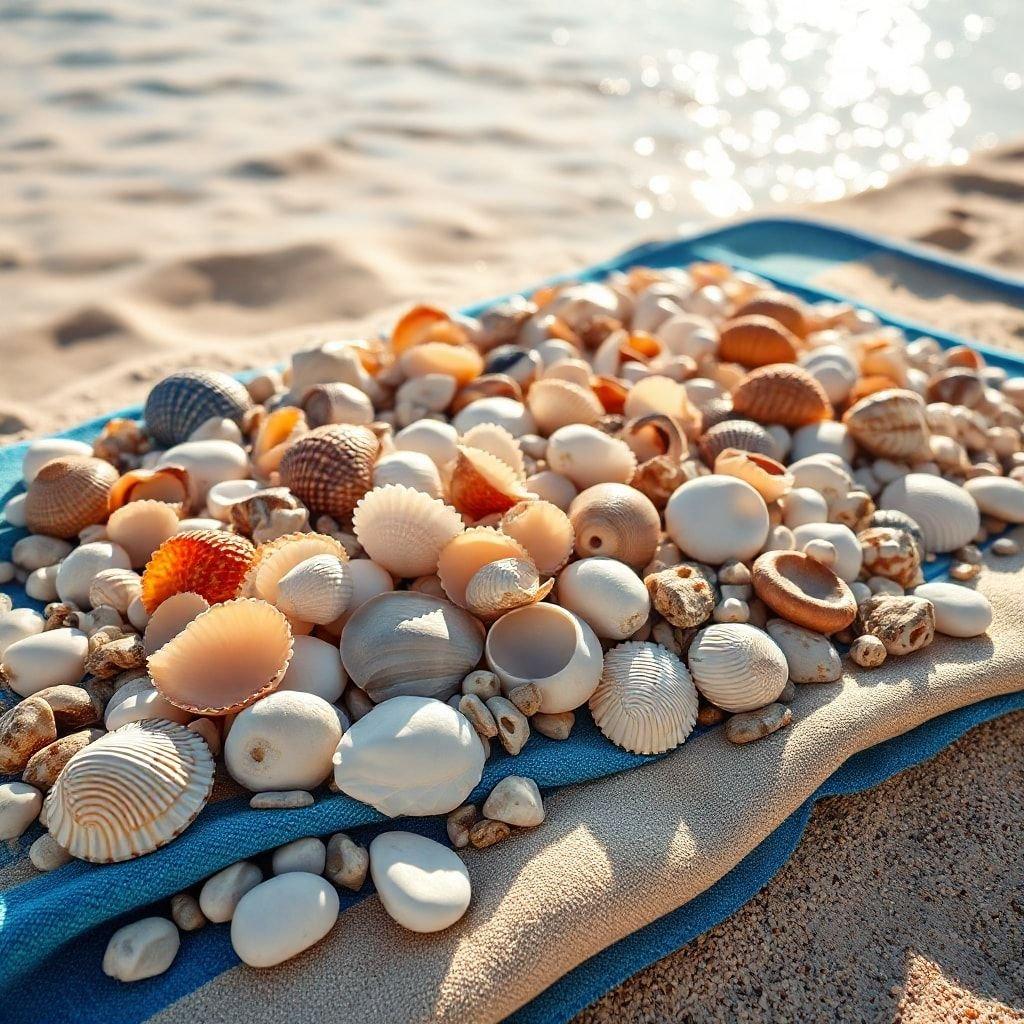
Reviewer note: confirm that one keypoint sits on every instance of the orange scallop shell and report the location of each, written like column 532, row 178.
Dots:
column 755, row 340
column 781, row 393
column 782, row 308
column 482, row 484
column 210, row 563
column 69, row 494
column 168, row 483
column 419, row 324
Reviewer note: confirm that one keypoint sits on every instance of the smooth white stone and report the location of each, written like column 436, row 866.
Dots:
column 41, row 451
column 515, row 800
column 45, row 659
column 959, row 611
column 998, row 496
column 307, row 854
column 142, row 949
column 608, row 595
column 146, row 703
column 20, row 805
column 220, row 893
column 849, row 555
column 315, row 668
column 14, row 510
column 80, row 568
column 208, row 463
column 17, row 624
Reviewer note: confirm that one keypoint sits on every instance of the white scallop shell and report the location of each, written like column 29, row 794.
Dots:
column 587, row 456
column 173, row 615
column 495, row 439
column 410, row 469
column 737, row 667
column 544, row 530
column 317, row 590
column 715, row 519
column 947, row 514
column 556, row 403
column 498, row 587
column 140, row 527
column 116, row 588
column 277, row 558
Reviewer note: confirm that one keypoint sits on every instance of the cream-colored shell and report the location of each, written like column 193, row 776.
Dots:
column 608, row 595
column 498, row 587
column 77, row 571
column 544, row 530
column 495, row 439
column 368, row 580
column 587, row 456
column 40, row 660
column 658, row 394
column 616, row 521
column 507, row 412
column 998, row 496
column 171, row 618
column 553, row 487
column 716, row 519
column 431, row 437
column 737, row 667
column 317, row 590
column 140, row 527
column 824, row 473
column 222, row 496
column 277, row 558
column 556, row 403
column 116, row 588
column 469, row 552
column 891, row 424
column 947, row 514
column 410, row 469
column 207, row 463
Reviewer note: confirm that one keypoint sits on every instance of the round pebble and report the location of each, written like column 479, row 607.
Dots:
column 141, row 950
column 19, row 807
column 221, row 893
column 516, row 801
column 959, row 611
column 307, row 854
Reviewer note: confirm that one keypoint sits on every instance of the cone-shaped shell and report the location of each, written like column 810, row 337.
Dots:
column 185, row 400
column 753, row 340
column 741, row 435
column 130, row 792
column 482, row 484
column 616, row 521
column 737, row 667
column 337, row 402
column 498, row 587
column 69, row 494
column 556, row 403
column 331, row 468
column 408, row 643
column 167, row 483
column 463, row 362
column 784, row 309
column 769, row 478
column 494, row 438
column 463, row 556
column 210, row 563
column 278, row 431
column 781, row 393
column 948, row 516
column 140, row 527
column 892, row 424
column 544, row 530
column 171, row 618
column 404, row 530
column 804, row 591
column 278, row 557
column 225, row 659
column 646, row 702
column 316, row 590
column 587, row 456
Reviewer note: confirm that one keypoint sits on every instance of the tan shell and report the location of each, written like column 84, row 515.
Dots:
column 171, row 618
column 556, row 403
column 489, row 385
column 482, row 484
column 278, row 557
column 410, row 469
column 957, row 385
column 544, row 530
column 337, row 402
column 498, row 587
column 69, row 494
column 588, row 456
column 753, row 340
column 130, row 792
column 803, row 591
column 225, row 659
column 140, row 527
column 463, row 362
column 781, row 307
column 494, row 438
column 276, row 434
column 781, row 393
column 741, row 435
column 464, row 555
column 616, row 521
column 316, row 590
column 769, row 478
column 116, row 588
column 167, row 484
column 663, row 395
column 892, row 424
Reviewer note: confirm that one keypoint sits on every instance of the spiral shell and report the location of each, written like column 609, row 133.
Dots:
column 275, row 559
column 210, row 563
column 130, row 792
column 947, row 515
column 646, row 702
column 140, row 527
column 316, row 590
column 737, row 667
column 740, row 435
column 556, row 403
column 337, row 402
column 331, row 468
column 467, row 553
column 481, row 484
column 69, row 494
column 544, row 530
column 803, row 591
column 498, row 587
column 616, row 521
column 276, row 434
column 781, row 393
column 769, row 478
column 185, row 400
column 890, row 423
column 168, row 484
column 753, row 340
column 784, row 309
column 495, row 439
column 171, row 618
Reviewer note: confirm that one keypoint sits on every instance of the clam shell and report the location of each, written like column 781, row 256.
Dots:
column 769, row 478
column 225, row 659
column 316, row 590
column 495, row 439
column 544, row 530
column 646, row 702
column 482, row 484
column 753, row 340
column 416, row 325
column 337, row 402
column 555, row 403
column 657, row 394
column 140, row 527
column 891, row 424
column 468, row 552
column 587, row 456
column 410, row 644
column 166, row 484
column 276, row 434
column 69, row 494
column 210, row 563
column 331, row 468
column 616, row 521
column 171, row 618
column 130, row 792
column 998, row 496
column 784, row 309
column 947, row 515
column 715, row 519
column 740, row 435
column 737, row 667
column 404, row 530
column 498, row 587
column 410, row 469
column 278, row 557
column 781, row 393
column 183, row 401
column 803, row 591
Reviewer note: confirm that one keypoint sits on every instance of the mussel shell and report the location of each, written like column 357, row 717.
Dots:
column 181, row 402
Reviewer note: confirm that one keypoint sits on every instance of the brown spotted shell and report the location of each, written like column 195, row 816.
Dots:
column 781, row 393
column 615, row 521
column 755, row 340
column 69, row 494
column 892, row 424
column 741, row 435
column 803, row 591
column 784, row 309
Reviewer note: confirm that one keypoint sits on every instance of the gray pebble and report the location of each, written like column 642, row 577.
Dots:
column 307, row 854
column 755, row 725
column 186, row 913
column 142, row 949
column 220, row 893
column 47, row 854
column 286, row 800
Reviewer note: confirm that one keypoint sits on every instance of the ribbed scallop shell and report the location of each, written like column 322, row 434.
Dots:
column 555, row 403
column 225, row 659
column 780, row 307
column 742, row 435
column 467, row 553
column 337, row 402
column 892, row 424
column 317, row 590
column 404, row 530
column 781, row 393
column 616, row 521
column 276, row 434
column 130, row 792
column 948, row 516
column 737, row 667
column 331, row 468
column 184, row 400
column 646, row 702
column 482, row 484
column 210, row 563
column 495, row 439
column 171, row 618
column 463, row 362
column 500, row 586
column 768, row 477
column 544, row 530
column 140, row 527
column 69, row 494
column 278, row 557
column 754, row 340
column 167, row 483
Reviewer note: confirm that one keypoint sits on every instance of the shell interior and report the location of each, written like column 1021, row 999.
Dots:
column 465, row 554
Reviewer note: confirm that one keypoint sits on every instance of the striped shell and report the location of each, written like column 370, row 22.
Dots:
column 481, row 484
column 616, row 521
column 276, row 434
column 494, row 438
column 556, row 403
column 467, row 553
column 140, row 527
column 784, row 309
column 947, row 515
column 166, row 483
column 180, row 403
column 317, row 590
column 804, row 591
column 737, row 667
column 781, row 393
column 130, row 792
column 890, row 423
column 646, row 702
column 278, row 557
column 544, row 530
column 498, row 587
column 337, row 402
column 171, row 618
column 69, row 494
column 741, row 435
column 210, row 563
column 753, row 340
column 331, row 468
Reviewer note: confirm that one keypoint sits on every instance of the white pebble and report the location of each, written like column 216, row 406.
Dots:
column 20, row 805
column 732, row 609
column 220, row 893
column 14, row 511
column 41, row 584
column 6, row 573
column 307, row 854
column 44, row 449
column 515, row 800
column 142, row 949
column 821, row 551
column 959, row 611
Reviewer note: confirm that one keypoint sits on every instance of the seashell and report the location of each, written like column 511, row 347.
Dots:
column 463, row 362
column 739, row 435
column 552, row 487
column 781, row 393
column 488, row 385
column 207, row 463
column 182, row 401
column 556, row 403
column 521, row 364
column 316, row 590
column 587, row 456
column 947, row 514
column 959, row 611
column 891, row 424
column 646, row 702
column 68, row 494
column 76, row 572
column 469, row 552
column 130, row 792
column 574, row 370
column 834, row 369
column 616, row 521
column 548, row 646
column 403, row 530
column 45, row 449
column 544, row 530
column 903, row 624
column 166, row 484
column 331, row 468
column 804, row 591
column 482, row 484
column 337, row 402
column 737, row 667
column 41, row 660
column 276, row 434
column 500, row 586
column 416, row 325
column 210, row 563
column 769, row 478
column 715, row 519
column 753, row 340
column 171, row 618
column 315, row 668
column 278, row 557
column 506, row 412
column 17, row 624
column 409, row 469
column 781, row 307
column 606, row 594
column 139, row 705
column 496, row 440
column 410, row 755
column 842, row 538
column 431, row 437
column 956, row 385
column 891, row 553
column 998, row 496
column 348, row 361
column 217, row 429
column 222, row 496
column 224, row 659
column 116, row 588
column 611, row 393
column 407, row 643
column 657, row 394
column 140, row 527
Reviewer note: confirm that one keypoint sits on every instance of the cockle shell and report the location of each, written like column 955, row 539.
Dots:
column 207, row 463
column 182, row 401
column 331, row 468
column 140, row 527
column 465, row 554
column 998, row 496
column 498, row 587
column 171, row 618
column 494, row 438
column 130, row 792
column 507, row 412
column 737, row 667
column 337, row 402
column 316, row 590
column 481, row 484
column 69, row 494
column 769, row 478
column 616, row 521
column 115, row 588
column 753, row 340
column 165, row 484
column 646, row 702
column 782, row 308
column 739, row 435
column 607, row 594
column 276, row 434
column 891, row 424
column 404, row 530
column 544, row 530
column 556, row 403
column 957, row 385
column 410, row 469
column 224, row 659
column 278, row 557
column 804, row 591
column 210, row 563
column 587, row 456
column 947, row 514
column 715, row 519
column 781, row 393
column 408, row 643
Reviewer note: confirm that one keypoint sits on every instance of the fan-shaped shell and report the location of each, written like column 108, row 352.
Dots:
column 544, row 530
column 498, row 587
column 405, row 530
column 463, row 362
column 616, row 521
column 803, row 591
column 140, row 527
column 948, row 516
column 276, row 434
column 753, row 340
column 210, row 563
column 781, row 393
column 481, row 484
column 410, row 469
column 737, row 667
column 495, row 439
column 331, row 468
column 769, row 478
column 316, row 590
column 891, row 423
column 784, row 309
column 171, row 618
column 555, row 403
column 115, row 588
column 69, row 494
column 278, row 557
column 587, row 456
column 717, row 518
column 225, row 659
column 130, row 792
column 646, row 702
column 167, row 484
column 337, row 402
column 657, row 394
column 185, row 400
column 740, row 435
column 410, row 644
column 467, row 553
column 415, row 326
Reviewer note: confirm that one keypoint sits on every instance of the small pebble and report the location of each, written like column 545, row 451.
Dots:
column 20, row 805
column 515, row 800
column 47, row 854
column 734, row 574
column 822, row 551
column 527, row 698
column 731, row 610
column 45, row 765
column 14, row 510
column 970, row 553
column 557, row 726
column 220, row 893
column 965, row 571
column 284, row 800
column 41, row 584
column 308, row 854
column 186, row 912
column 755, row 725
column 141, row 950
column 959, row 611
column 347, row 862
column 473, row 708
column 458, row 824
column 513, row 725
column 788, row 693
column 868, row 651
column 884, row 585
column 483, row 684
column 1005, row 546
column 487, row 833
column 708, row 714
column 6, row 575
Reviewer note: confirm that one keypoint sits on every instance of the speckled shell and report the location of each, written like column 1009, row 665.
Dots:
column 646, row 702
column 769, row 478
column 753, row 340
column 891, row 424
column 210, row 563
column 481, row 484
column 780, row 307
column 317, row 590
column 467, row 553
column 337, row 402
column 69, row 494
column 140, row 527
column 781, row 393
column 410, row 644
column 587, row 456
column 185, row 400
column 948, row 515
column 278, row 557
column 616, row 521
column 556, row 403
column 892, row 517
column 331, row 468
column 803, row 591
column 276, row 434
column 498, row 587
column 171, row 618
column 130, row 792
column 740, row 435
column 494, row 438
column 544, row 530
column 737, row 667
column 167, row 484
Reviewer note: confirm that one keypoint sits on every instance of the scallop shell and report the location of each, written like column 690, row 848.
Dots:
column 781, row 307
column 495, row 439
column 410, row 644
column 587, row 456
column 715, row 519
column 225, row 659
column 140, row 527
column 753, row 340
column 803, row 591
column 130, row 792
column 171, row 618
column 278, row 557
column 404, row 530
column 465, row 554
column 948, row 516
column 737, row 667
column 556, row 403
column 769, row 478
column 331, row 468
column 956, row 385
column 276, row 434
column 183, row 401
column 210, row 563
column 544, row 530
column 740, row 435
column 410, row 469
column 646, row 702
column 167, row 484
column 481, row 484
column 781, row 393
column 317, row 590
column 337, row 402
column 463, row 362
column 416, row 325
column 69, row 494
column 616, row 521
column 892, row 424
column 498, row 587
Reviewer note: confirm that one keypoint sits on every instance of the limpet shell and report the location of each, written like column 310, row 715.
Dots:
column 165, row 484
column 769, row 478
column 278, row 557
column 316, row 590
column 947, row 514
column 544, row 530
column 616, row 521
column 210, row 563
column 646, row 702
column 481, row 484
column 183, row 401
column 410, row 469
column 130, row 792
column 500, row 586
column 337, row 402
column 737, row 667
column 588, row 456
column 465, row 554
column 753, row 340
column 891, row 424
column 494, row 438
column 715, row 519
column 171, row 618
column 140, row 527
column 739, row 435
column 69, row 494
column 803, row 591
column 781, row 393
column 276, row 434
column 331, row 468
column 555, row 403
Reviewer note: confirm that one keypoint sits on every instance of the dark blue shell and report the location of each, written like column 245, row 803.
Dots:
column 180, row 403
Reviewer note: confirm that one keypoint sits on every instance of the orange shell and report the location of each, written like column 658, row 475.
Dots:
column 869, row 386
column 488, row 385
column 611, row 393
column 781, row 393
column 210, row 563
column 276, row 433
column 414, row 326
column 463, row 556
column 782, row 308
column 69, row 494
column 482, row 484
column 756, row 341
column 962, row 355
column 168, row 483
column 463, row 362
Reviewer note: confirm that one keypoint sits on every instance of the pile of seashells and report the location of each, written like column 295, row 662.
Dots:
column 662, row 498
